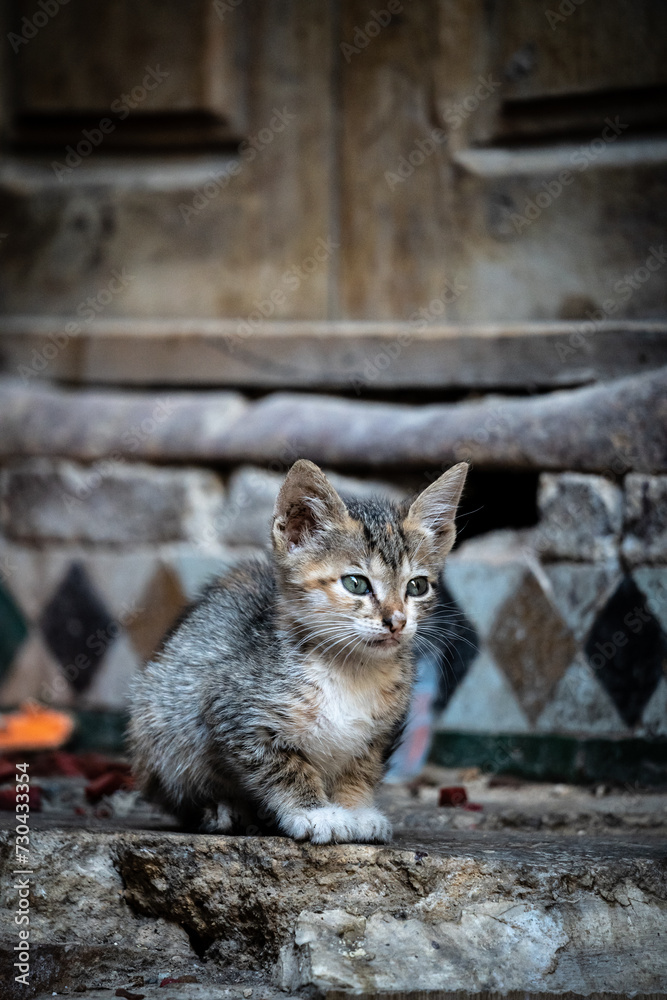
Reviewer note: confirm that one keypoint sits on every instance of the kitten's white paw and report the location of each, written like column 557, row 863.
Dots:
column 371, row 826
column 218, row 820
column 326, row 825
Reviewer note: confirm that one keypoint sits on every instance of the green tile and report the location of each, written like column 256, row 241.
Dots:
column 13, row 630
column 555, row 758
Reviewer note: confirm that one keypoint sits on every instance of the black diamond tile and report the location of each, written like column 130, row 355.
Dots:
column 627, row 649
column 452, row 638
column 77, row 627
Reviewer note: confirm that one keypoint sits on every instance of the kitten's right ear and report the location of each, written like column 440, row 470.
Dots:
column 306, row 506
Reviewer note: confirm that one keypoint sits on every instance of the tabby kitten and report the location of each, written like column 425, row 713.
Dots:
column 278, row 699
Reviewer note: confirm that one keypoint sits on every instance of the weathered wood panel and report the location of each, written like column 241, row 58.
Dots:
column 202, row 234
column 361, row 358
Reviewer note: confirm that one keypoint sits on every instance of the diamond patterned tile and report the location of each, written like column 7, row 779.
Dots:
column 579, row 591
column 121, row 578
column 33, row 574
column 110, row 686
column 196, row 570
column 484, row 702
column 453, row 640
column 532, row 645
column 628, row 650
column 654, row 716
column 13, row 630
column 652, row 581
column 77, row 627
column 160, row 606
column 581, row 706
column 482, row 589
column 35, row 674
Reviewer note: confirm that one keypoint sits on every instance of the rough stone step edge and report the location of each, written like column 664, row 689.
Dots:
column 339, row 906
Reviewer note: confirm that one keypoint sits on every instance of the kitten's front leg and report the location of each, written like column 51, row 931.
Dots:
column 293, row 791
column 354, row 791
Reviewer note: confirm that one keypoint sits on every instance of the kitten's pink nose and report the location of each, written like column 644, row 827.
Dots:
column 395, row 622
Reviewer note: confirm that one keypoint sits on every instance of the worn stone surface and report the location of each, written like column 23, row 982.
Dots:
column 625, row 428
column 111, row 502
column 645, row 519
column 581, row 517
column 505, row 913
column 252, row 492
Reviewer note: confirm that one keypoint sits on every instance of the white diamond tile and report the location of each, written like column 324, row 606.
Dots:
column 581, row 706
column 484, row 702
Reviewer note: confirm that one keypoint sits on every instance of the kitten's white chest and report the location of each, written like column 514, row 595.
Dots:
column 341, row 719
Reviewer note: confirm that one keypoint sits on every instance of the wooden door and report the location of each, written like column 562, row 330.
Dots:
column 441, row 161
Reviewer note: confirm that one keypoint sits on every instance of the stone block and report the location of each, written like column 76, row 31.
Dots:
column 441, row 915
column 108, row 502
column 246, row 518
column 645, row 539
column 581, row 517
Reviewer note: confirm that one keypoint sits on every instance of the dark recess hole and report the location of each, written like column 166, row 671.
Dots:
column 497, row 499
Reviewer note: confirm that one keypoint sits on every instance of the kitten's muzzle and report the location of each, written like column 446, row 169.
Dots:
column 395, row 622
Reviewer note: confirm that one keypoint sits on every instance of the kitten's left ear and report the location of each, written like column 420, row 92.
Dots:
column 306, row 506
column 434, row 510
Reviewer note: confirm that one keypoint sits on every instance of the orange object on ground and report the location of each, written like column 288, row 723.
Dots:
column 33, row 727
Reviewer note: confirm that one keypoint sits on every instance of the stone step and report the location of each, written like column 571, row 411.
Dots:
column 464, row 913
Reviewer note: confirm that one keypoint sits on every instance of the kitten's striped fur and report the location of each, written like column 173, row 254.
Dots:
column 277, row 700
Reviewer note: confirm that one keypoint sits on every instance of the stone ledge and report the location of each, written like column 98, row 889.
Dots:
column 624, row 421
column 456, row 913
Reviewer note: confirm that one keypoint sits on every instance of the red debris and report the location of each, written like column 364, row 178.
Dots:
column 58, row 763
column 8, row 799
column 474, row 807
column 108, row 783
column 454, row 795
column 7, row 770
column 94, row 765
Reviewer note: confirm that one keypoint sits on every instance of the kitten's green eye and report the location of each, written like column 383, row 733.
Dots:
column 417, row 587
column 356, row 584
